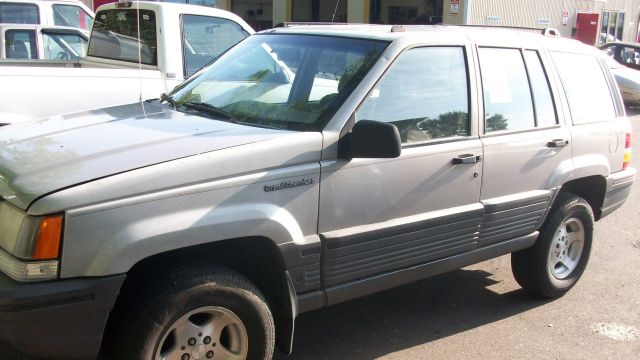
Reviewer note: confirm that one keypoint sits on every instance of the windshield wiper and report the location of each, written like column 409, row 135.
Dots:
column 169, row 99
column 209, row 109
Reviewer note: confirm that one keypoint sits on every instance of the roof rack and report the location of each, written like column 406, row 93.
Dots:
column 311, row 23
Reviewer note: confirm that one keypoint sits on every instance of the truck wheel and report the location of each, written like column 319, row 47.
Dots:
column 196, row 313
column 558, row 258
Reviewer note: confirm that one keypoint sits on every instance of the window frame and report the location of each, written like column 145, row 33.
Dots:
column 405, row 145
column 521, row 50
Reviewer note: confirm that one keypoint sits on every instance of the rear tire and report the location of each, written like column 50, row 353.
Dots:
column 194, row 313
column 554, row 264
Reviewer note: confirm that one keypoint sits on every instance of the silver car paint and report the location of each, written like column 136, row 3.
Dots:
column 45, row 156
column 172, row 200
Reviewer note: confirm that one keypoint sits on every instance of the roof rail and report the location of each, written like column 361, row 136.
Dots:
column 302, row 23
column 546, row 31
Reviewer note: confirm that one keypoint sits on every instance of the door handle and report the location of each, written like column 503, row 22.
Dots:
column 555, row 143
column 466, row 159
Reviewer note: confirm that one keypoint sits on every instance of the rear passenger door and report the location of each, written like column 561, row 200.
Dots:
column 527, row 150
column 380, row 215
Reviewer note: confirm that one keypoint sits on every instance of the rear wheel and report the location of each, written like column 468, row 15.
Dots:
column 195, row 313
column 557, row 260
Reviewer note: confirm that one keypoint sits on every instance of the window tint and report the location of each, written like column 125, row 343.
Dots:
column 507, row 98
column 20, row 44
column 114, row 36
column 424, row 93
column 586, row 88
column 63, row 46
column 205, row 37
column 73, row 16
column 11, row 13
column 545, row 111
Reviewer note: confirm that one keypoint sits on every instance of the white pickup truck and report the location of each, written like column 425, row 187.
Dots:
column 123, row 65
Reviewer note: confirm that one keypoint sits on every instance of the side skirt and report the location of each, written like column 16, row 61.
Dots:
column 355, row 289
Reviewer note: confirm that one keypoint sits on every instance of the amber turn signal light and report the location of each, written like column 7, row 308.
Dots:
column 48, row 238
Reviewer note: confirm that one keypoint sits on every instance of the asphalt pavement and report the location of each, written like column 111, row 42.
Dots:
column 480, row 312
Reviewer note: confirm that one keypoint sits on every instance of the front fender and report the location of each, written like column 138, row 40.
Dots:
column 156, row 234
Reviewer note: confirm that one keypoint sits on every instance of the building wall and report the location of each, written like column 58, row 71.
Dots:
column 536, row 13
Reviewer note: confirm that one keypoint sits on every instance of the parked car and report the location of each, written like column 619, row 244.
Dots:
column 628, row 81
column 70, row 13
column 33, row 42
column 176, row 41
column 305, row 167
column 626, row 53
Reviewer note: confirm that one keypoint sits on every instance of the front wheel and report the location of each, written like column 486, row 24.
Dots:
column 558, row 258
column 192, row 314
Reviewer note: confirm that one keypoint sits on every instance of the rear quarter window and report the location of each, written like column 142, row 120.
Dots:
column 586, row 87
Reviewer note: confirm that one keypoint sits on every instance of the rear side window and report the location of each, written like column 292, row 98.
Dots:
column 20, row 44
column 507, row 96
column 516, row 90
column 115, row 36
column 542, row 101
column 204, row 38
column 73, row 16
column 424, row 94
column 586, row 88
column 13, row 13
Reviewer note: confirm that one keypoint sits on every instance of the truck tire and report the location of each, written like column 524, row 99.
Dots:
column 558, row 258
column 194, row 313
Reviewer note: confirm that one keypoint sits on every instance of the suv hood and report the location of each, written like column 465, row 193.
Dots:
column 41, row 157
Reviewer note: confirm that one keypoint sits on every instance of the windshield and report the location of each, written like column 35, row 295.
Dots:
column 294, row 82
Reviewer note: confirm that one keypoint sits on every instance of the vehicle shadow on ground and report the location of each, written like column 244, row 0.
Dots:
column 405, row 317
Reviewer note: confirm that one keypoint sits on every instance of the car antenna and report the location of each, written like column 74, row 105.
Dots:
column 140, row 57
column 335, row 10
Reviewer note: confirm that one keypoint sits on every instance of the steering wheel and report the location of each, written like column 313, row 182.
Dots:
column 63, row 55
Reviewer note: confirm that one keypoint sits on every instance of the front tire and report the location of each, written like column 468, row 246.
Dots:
column 195, row 313
column 555, row 263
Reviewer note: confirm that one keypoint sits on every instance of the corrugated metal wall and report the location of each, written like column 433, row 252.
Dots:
column 537, row 13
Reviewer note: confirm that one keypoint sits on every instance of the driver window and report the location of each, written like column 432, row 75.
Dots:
column 424, row 93
column 64, row 46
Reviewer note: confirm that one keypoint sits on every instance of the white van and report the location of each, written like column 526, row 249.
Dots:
column 71, row 13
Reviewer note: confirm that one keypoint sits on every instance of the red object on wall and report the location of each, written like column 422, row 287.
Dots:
column 587, row 28
column 97, row 3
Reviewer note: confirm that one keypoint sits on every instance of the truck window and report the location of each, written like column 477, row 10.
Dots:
column 424, row 93
column 505, row 87
column 63, row 46
column 73, row 16
column 115, row 36
column 205, row 37
column 13, row 13
column 542, row 100
column 586, row 87
column 20, row 44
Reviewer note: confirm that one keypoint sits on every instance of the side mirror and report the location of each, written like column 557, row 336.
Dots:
column 371, row 139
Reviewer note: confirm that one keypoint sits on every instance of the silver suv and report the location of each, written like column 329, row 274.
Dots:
column 307, row 166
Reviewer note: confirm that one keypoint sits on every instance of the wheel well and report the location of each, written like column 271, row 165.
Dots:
column 257, row 258
column 592, row 189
